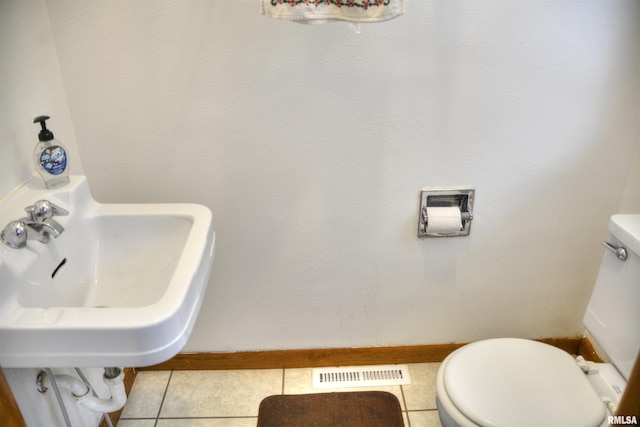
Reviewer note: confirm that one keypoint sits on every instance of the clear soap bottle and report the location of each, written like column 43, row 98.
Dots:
column 50, row 157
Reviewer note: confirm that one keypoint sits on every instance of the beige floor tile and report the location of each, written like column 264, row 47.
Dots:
column 205, row 398
column 145, row 397
column 424, row 419
column 219, row 393
column 208, row 422
column 300, row 381
column 421, row 393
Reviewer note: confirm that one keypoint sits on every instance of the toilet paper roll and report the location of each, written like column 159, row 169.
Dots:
column 444, row 221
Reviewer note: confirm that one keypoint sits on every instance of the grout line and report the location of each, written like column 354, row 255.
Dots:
column 406, row 408
column 283, row 377
column 164, row 395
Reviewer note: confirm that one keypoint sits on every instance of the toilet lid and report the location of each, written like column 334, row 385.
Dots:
column 515, row 382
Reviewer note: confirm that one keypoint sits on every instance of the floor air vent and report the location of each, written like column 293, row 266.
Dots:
column 361, row 376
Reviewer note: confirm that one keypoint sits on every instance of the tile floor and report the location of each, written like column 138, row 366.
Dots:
column 232, row 398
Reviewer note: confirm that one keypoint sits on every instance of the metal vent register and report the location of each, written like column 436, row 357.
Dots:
column 361, row 376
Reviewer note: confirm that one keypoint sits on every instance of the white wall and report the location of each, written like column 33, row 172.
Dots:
column 30, row 86
column 310, row 146
column 631, row 197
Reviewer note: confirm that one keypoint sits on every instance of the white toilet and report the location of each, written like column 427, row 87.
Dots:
column 509, row 382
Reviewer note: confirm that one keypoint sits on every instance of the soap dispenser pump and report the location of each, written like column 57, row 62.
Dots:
column 50, row 157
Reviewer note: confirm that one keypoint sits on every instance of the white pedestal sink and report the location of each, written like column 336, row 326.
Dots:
column 121, row 286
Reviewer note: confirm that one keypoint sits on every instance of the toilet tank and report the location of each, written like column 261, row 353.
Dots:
column 613, row 313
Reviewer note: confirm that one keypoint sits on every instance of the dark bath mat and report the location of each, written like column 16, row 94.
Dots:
column 347, row 409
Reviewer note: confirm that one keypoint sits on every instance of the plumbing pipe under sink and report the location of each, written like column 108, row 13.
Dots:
column 83, row 393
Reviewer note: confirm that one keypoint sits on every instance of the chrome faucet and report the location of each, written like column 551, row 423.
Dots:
column 38, row 226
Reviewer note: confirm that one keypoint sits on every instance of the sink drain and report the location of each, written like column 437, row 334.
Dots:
column 57, row 269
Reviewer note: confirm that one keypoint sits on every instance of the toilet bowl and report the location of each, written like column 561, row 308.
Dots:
column 515, row 382
column 506, row 382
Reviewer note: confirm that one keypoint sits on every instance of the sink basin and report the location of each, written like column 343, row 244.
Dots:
column 121, row 286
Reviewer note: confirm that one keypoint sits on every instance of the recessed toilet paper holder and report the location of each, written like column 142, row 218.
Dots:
column 461, row 197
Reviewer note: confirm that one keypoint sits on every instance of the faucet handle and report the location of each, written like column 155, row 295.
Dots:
column 14, row 235
column 44, row 209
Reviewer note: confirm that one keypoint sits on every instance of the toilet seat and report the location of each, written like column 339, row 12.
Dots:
column 509, row 382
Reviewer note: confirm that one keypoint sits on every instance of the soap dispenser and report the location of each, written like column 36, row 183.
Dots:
column 50, row 157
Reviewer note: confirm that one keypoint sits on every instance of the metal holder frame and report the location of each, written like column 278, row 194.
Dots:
column 462, row 197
